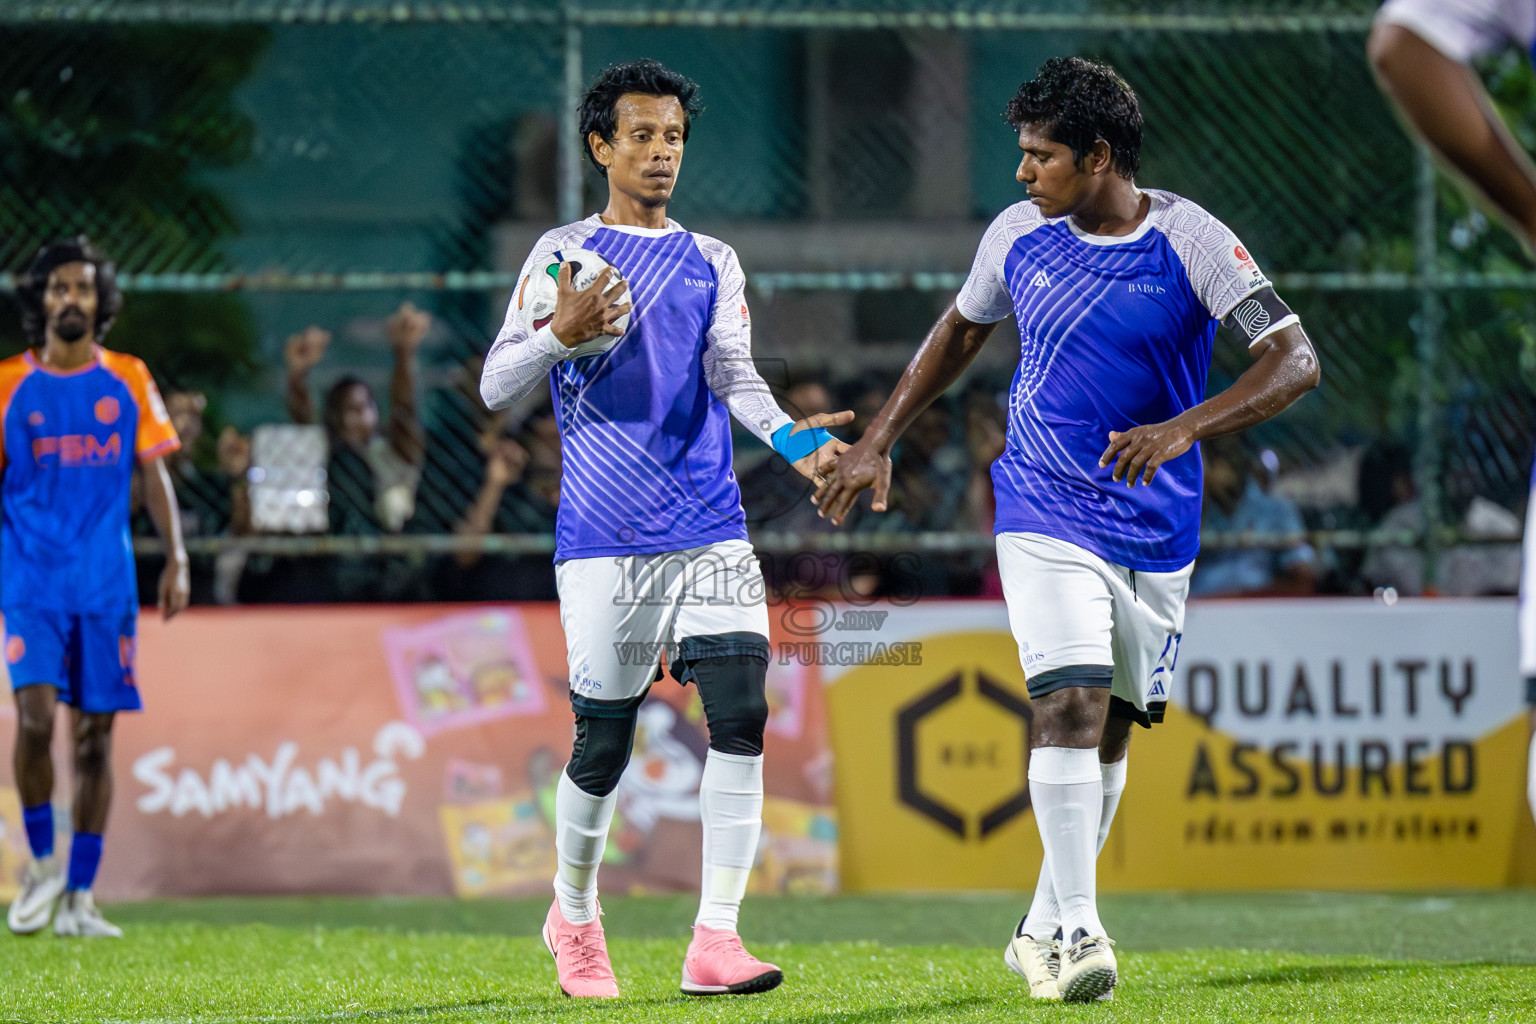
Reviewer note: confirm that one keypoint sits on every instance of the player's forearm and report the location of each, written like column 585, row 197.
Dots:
column 1447, row 106
column 301, row 403
column 949, row 348
column 1283, row 371
column 160, row 500
column 733, row 378
column 515, row 367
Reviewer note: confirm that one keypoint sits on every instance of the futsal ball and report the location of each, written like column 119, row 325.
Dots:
column 537, row 295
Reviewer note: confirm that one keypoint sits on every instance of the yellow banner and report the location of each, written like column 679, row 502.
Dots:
column 1322, row 745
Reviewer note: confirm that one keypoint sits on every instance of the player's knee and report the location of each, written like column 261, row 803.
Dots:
column 602, row 749
column 34, row 726
column 93, row 744
column 731, row 672
column 1072, row 716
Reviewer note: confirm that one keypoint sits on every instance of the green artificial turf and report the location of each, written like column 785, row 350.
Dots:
column 1272, row 957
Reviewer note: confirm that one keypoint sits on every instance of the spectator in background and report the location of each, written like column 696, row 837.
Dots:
column 455, row 451
column 986, row 435
column 1235, row 503
column 1390, row 497
column 773, row 495
column 506, row 502
column 212, row 498
column 372, row 475
column 931, row 472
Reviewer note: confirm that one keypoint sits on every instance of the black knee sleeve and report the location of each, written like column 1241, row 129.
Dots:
column 602, row 750
column 730, row 670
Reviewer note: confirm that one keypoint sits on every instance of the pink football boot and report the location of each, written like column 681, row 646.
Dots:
column 581, row 957
column 717, row 964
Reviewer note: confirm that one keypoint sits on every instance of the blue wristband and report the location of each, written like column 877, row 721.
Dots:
column 795, row 447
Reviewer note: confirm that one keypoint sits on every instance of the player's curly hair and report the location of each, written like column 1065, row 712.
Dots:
column 34, row 282
column 647, row 77
column 1077, row 102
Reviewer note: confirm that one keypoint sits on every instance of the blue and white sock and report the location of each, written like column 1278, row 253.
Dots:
column 39, row 823
column 84, row 859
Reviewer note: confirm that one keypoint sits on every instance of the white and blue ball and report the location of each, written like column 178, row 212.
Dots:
column 540, row 290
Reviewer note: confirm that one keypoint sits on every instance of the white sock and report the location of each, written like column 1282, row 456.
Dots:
column 1066, row 788
column 1113, row 776
column 1530, row 776
column 1044, row 915
column 581, row 833
column 731, row 809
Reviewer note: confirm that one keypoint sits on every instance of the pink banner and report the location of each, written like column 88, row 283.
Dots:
column 407, row 750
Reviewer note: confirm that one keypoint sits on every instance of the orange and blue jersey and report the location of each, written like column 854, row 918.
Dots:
column 70, row 441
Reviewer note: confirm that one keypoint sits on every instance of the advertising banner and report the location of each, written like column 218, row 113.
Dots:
column 1308, row 744
column 414, row 750
column 405, row 750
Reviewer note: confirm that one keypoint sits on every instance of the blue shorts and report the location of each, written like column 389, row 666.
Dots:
column 87, row 658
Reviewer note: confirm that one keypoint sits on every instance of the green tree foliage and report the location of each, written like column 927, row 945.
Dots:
column 105, row 131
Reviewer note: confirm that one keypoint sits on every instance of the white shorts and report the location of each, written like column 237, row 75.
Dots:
column 1082, row 621
column 621, row 613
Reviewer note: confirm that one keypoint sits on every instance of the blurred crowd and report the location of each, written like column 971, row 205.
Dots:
column 347, row 463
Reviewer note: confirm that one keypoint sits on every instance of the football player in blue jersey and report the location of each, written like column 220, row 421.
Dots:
column 76, row 422
column 1421, row 50
column 1118, row 292
column 651, row 543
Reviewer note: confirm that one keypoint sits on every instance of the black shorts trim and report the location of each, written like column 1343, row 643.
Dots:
column 1070, row 675
column 1119, row 707
column 589, row 708
column 739, row 643
column 1530, row 690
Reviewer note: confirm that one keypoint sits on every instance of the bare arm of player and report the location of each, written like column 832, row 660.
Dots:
column 950, row 347
column 518, row 360
column 1284, row 368
column 160, row 500
column 1445, row 103
column 406, row 329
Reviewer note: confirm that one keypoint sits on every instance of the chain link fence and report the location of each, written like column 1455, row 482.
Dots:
column 260, row 166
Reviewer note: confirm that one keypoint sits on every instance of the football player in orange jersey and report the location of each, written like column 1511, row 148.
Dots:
column 75, row 422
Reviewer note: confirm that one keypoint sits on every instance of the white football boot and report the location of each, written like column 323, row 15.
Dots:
column 41, row 884
column 78, row 917
column 1088, row 969
column 1037, row 962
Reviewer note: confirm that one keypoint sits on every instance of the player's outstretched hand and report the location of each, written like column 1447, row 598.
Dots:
column 175, row 587
column 1139, row 452
column 590, row 313
column 823, row 460
column 860, row 466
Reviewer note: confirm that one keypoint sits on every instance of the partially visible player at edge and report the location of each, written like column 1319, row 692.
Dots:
column 650, row 531
column 1118, row 292
column 76, row 421
column 1421, row 50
